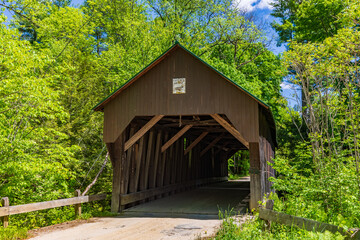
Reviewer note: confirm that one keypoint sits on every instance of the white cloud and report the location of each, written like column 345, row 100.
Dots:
column 251, row 5
column 285, row 86
column 265, row 4
column 245, row 4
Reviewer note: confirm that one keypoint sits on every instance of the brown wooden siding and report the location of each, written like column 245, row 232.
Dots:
column 207, row 92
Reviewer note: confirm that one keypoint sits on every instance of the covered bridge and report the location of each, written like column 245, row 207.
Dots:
column 175, row 124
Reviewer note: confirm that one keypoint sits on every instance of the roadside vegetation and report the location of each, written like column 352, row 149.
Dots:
column 58, row 61
column 318, row 161
column 254, row 229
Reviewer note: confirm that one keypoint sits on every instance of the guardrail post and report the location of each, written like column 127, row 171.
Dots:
column 5, row 219
column 268, row 205
column 77, row 206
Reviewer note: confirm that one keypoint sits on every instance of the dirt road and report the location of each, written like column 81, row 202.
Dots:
column 135, row 228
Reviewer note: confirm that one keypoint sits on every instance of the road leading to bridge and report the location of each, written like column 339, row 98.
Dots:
column 186, row 215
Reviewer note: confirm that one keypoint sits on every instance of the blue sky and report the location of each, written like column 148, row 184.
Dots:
column 262, row 10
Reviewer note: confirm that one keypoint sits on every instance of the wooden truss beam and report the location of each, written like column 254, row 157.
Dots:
column 230, row 129
column 195, row 142
column 211, row 144
column 142, row 131
column 211, row 122
column 223, row 148
column 175, row 137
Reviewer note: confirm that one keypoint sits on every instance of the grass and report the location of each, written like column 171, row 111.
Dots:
column 254, row 228
column 236, row 176
column 13, row 233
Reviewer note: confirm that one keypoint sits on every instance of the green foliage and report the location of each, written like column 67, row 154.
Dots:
column 12, row 233
column 319, row 175
column 238, row 165
column 253, row 228
column 309, row 20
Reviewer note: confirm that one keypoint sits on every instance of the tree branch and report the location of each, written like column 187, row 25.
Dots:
column 97, row 175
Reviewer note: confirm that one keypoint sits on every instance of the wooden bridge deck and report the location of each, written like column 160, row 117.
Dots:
column 203, row 202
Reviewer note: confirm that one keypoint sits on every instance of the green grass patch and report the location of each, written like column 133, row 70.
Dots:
column 236, row 176
column 254, row 228
column 13, row 233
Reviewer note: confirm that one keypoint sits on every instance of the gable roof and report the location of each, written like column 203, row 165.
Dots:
column 100, row 106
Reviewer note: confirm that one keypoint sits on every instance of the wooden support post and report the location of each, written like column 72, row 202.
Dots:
column 180, row 159
column 77, row 207
column 211, row 144
column 142, row 131
column 212, row 162
column 169, row 165
column 155, row 168
column 230, row 129
column 175, row 137
column 255, row 176
column 162, row 165
column 148, row 159
column 175, row 163
column 139, row 158
column 127, row 168
column 195, row 142
column 5, row 219
column 116, row 155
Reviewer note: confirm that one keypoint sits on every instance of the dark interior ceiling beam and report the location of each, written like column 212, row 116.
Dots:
column 175, row 137
column 179, row 122
column 210, row 129
column 142, row 131
column 231, row 129
column 211, row 144
column 195, row 142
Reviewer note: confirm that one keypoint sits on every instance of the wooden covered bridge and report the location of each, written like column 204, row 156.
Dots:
column 175, row 124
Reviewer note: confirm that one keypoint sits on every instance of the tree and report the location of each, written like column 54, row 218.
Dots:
column 309, row 20
column 323, row 174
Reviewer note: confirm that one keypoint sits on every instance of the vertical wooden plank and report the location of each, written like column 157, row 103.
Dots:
column 136, row 171
column 189, row 167
column 5, row 219
column 127, row 168
column 180, row 159
column 162, row 164
column 168, row 165
column 212, row 162
column 185, row 164
column 148, row 158
column 177, row 162
column 154, row 169
column 194, row 163
column 197, row 165
column 122, row 167
column 141, row 177
column 255, row 177
column 133, row 168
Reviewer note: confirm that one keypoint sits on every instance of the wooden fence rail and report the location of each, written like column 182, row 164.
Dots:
column 8, row 210
column 304, row 223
